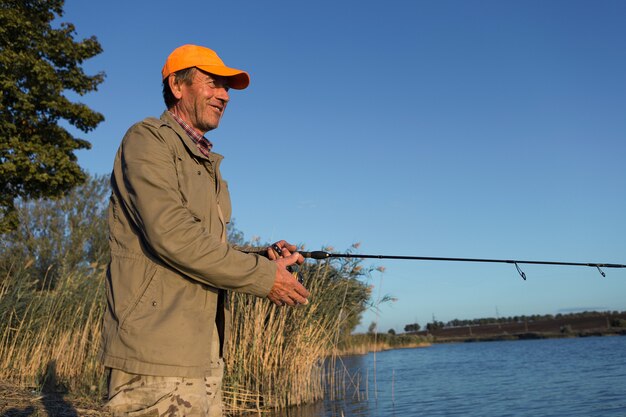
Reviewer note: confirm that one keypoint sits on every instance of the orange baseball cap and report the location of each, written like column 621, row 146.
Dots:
column 206, row 59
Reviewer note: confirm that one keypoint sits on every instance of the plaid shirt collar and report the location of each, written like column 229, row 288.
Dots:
column 204, row 145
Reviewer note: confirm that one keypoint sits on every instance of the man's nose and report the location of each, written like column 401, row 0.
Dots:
column 222, row 94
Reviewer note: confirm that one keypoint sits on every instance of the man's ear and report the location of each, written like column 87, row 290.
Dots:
column 175, row 87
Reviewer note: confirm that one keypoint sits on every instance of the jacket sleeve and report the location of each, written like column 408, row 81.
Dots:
column 145, row 173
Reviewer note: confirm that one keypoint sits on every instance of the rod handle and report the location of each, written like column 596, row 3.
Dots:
column 316, row 254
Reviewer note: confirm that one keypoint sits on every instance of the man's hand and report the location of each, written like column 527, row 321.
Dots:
column 283, row 249
column 286, row 288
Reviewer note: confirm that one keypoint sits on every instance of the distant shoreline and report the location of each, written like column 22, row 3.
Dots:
column 528, row 336
column 562, row 327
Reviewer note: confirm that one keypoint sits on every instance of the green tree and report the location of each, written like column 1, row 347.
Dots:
column 38, row 64
column 434, row 326
column 414, row 327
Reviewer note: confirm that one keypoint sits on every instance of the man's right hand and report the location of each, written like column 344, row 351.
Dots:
column 286, row 288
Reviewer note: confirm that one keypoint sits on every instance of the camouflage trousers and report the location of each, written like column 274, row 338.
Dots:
column 157, row 396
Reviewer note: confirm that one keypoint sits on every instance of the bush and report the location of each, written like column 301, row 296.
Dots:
column 618, row 322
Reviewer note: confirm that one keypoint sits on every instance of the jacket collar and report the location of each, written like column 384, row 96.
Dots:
column 167, row 118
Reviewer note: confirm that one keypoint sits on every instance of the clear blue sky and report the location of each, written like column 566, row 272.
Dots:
column 490, row 129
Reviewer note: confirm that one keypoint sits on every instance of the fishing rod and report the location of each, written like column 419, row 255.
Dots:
column 320, row 255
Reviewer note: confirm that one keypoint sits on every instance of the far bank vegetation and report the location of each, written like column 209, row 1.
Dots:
column 579, row 324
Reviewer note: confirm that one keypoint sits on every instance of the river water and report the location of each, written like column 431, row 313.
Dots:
column 553, row 377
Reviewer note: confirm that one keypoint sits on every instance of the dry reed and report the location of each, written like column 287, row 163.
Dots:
column 52, row 334
column 279, row 355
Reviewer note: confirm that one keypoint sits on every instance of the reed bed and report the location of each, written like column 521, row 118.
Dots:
column 50, row 336
column 278, row 356
column 360, row 344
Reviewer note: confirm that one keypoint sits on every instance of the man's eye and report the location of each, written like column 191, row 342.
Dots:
column 213, row 84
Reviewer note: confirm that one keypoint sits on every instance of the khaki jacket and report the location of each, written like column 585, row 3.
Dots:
column 170, row 261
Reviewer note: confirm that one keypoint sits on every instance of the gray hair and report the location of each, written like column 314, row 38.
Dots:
column 183, row 76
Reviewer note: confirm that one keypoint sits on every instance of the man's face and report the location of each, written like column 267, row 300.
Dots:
column 203, row 102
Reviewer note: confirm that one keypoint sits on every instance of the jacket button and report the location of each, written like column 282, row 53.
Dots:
column 199, row 173
column 154, row 304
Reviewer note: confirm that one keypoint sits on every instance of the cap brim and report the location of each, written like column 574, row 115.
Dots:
column 237, row 79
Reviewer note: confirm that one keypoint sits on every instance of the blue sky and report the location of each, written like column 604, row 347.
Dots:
column 489, row 129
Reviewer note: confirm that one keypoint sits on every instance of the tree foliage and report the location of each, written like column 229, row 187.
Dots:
column 434, row 326
column 38, row 65
column 414, row 327
column 57, row 237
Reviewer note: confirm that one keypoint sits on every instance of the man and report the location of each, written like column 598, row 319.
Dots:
column 166, row 324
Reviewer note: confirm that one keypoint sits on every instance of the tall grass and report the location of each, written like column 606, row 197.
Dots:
column 52, row 334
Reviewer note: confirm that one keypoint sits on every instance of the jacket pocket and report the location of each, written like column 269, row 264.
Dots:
column 139, row 297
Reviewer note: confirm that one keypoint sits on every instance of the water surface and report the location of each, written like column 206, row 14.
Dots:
column 554, row 377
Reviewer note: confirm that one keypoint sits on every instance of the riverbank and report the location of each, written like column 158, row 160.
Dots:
column 16, row 401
